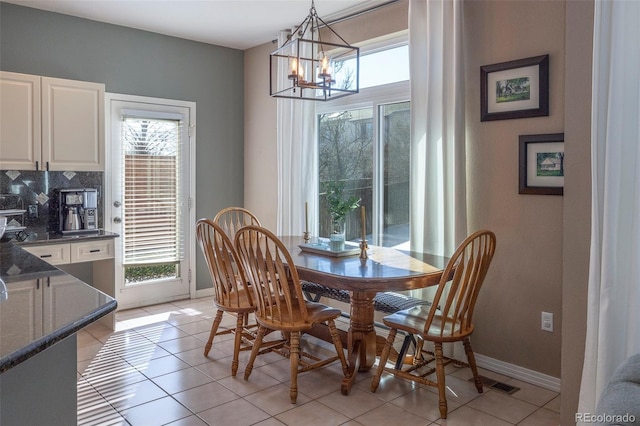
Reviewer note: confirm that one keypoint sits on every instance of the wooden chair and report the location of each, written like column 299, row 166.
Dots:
column 230, row 292
column 233, row 218
column 281, row 305
column 447, row 319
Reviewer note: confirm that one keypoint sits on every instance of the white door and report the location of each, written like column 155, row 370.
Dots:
column 148, row 198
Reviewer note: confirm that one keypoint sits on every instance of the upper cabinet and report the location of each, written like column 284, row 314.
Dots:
column 51, row 123
column 20, row 120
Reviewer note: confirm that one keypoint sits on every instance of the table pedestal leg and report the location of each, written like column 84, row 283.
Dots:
column 362, row 337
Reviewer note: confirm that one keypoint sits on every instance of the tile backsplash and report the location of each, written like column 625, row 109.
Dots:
column 36, row 188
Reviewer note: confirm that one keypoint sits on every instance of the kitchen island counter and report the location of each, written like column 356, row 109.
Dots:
column 41, row 310
column 42, row 305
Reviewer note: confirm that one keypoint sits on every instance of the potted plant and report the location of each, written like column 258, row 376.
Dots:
column 338, row 209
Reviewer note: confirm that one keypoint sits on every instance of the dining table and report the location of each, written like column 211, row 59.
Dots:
column 382, row 269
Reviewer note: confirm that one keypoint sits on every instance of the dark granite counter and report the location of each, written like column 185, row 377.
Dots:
column 41, row 305
column 40, row 236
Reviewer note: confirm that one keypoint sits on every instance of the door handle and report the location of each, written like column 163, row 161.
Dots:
column 117, row 220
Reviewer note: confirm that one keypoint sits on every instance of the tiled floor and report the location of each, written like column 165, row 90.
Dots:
column 151, row 371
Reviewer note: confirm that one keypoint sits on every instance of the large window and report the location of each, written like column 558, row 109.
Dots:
column 363, row 141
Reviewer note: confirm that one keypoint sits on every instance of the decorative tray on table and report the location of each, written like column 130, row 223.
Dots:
column 322, row 247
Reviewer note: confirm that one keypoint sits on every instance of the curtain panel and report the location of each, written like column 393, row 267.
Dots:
column 613, row 317
column 438, row 179
column 297, row 164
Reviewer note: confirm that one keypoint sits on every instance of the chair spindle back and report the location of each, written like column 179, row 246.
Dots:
column 231, row 219
column 455, row 299
column 226, row 272
column 273, row 278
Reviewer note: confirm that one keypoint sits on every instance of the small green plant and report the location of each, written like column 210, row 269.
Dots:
column 338, row 206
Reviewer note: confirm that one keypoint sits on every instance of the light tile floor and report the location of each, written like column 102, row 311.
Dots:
column 151, row 371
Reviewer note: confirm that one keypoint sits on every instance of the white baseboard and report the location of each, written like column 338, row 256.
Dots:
column 517, row 372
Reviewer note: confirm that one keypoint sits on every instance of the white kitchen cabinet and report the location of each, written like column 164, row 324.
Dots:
column 51, row 124
column 21, row 320
column 37, row 307
column 93, row 256
column 72, row 125
column 20, row 121
column 64, row 253
column 58, row 291
column 55, row 254
column 92, row 250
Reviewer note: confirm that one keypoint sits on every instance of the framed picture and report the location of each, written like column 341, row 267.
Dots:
column 515, row 89
column 542, row 164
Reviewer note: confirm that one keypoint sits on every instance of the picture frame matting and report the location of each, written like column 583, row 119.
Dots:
column 541, row 164
column 515, row 89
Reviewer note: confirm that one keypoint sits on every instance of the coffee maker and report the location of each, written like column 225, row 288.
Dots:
column 77, row 210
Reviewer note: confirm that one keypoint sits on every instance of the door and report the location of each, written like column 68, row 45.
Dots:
column 148, row 198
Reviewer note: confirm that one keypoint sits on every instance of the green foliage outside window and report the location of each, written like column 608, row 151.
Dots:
column 136, row 274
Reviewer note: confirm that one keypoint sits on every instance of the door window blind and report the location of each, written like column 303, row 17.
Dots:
column 151, row 189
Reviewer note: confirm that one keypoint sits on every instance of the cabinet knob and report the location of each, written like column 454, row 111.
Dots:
column 117, row 220
column 117, row 204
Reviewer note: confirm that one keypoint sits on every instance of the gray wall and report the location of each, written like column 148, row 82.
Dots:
column 147, row 64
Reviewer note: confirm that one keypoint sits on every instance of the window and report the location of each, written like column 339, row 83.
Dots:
column 363, row 141
column 152, row 238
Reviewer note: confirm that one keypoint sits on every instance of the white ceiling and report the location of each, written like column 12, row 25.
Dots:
column 239, row 24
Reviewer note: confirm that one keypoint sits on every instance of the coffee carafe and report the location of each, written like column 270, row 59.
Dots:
column 77, row 211
column 72, row 221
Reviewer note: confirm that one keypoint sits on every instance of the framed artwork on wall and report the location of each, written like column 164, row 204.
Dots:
column 515, row 89
column 541, row 164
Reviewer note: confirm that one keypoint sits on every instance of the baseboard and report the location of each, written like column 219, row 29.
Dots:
column 517, row 372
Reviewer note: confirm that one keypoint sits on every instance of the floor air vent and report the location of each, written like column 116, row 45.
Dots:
column 493, row 384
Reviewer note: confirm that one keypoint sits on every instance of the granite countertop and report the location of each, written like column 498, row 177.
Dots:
column 41, row 305
column 37, row 236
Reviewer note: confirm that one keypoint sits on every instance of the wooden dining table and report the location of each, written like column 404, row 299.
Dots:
column 384, row 269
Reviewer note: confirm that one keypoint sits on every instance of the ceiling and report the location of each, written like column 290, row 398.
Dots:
column 238, row 24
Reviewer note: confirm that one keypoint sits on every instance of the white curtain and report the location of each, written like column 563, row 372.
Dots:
column 297, row 165
column 438, row 194
column 613, row 317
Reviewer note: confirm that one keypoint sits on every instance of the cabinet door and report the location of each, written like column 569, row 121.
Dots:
column 21, row 315
column 72, row 125
column 20, row 118
column 65, row 301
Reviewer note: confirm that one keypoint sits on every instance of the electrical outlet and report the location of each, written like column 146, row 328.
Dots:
column 547, row 321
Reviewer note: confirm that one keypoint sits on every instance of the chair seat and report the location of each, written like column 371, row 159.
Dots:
column 317, row 313
column 413, row 321
column 241, row 302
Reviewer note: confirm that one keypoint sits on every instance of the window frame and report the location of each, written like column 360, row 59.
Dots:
column 372, row 97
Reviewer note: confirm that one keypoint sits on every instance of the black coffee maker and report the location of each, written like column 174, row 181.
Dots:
column 77, row 210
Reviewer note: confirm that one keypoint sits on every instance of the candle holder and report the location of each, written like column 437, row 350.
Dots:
column 305, row 237
column 363, row 249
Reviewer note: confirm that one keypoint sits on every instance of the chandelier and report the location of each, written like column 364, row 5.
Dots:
column 306, row 67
